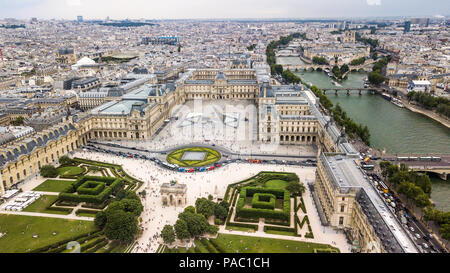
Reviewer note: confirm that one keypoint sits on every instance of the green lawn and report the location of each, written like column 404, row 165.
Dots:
column 43, row 203
column 16, row 242
column 246, row 244
column 53, row 185
column 276, row 184
column 71, row 170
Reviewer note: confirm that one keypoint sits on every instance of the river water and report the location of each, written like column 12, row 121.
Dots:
column 393, row 129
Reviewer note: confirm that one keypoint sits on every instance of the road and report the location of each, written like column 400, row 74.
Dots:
column 226, row 154
column 416, row 229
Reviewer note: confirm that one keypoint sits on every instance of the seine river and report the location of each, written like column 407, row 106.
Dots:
column 393, row 129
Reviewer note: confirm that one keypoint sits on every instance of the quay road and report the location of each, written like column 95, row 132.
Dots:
column 421, row 236
column 224, row 151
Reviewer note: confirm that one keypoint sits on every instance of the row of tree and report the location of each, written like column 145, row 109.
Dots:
column 192, row 222
column 428, row 101
column 376, row 77
column 442, row 219
column 352, row 129
column 417, row 189
column 270, row 50
column 290, row 77
column 320, row 60
column 358, row 61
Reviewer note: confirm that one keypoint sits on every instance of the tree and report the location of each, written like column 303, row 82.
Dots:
column 445, row 231
column 296, row 188
column 220, row 212
column 196, row 223
column 121, row 195
column 49, row 171
column 376, row 78
column 422, row 200
column 344, row 69
column 19, row 121
column 100, row 219
column 65, row 160
column 127, row 205
column 278, row 69
column 168, row 234
column 337, row 72
column 131, row 195
column 121, row 226
column 320, row 60
column 133, row 206
column 224, row 204
column 190, row 209
column 181, row 230
column 205, row 207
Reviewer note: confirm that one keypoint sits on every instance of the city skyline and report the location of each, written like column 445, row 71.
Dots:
column 202, row 9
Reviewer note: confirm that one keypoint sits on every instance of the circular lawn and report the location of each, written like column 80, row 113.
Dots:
column 194, row 157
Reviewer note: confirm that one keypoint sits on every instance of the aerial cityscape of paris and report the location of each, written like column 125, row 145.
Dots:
column 181, row 127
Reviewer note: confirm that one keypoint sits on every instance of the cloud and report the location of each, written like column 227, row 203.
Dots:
column 73, row 3
column 374, row 2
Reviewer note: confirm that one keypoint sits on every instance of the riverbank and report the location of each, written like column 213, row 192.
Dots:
column 431, row 114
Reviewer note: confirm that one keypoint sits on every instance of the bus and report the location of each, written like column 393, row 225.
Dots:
column 383, row 187
column 368, row 167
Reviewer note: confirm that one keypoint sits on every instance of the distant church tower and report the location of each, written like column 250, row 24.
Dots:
column 349, row 37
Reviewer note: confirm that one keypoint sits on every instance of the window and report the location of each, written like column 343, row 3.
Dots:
column 341, row 221
column 342, row 208
column 343, row 198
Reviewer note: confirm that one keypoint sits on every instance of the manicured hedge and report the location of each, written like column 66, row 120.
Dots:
column 266, row 228
column 255, row 227
column 94, row 242
column 80, row 237
column 87, row 188
column 243, row 212
column 259, row 202
column 97, row 247
column 114, row 185
column 209, row 246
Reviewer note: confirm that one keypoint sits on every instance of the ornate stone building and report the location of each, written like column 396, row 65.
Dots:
column 173, row 194
column 346, row 200
column 221, row 84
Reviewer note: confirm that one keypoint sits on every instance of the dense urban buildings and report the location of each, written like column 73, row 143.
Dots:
column 130, row 92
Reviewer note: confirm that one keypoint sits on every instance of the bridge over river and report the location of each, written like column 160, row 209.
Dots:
column 433, row 163
column 348, row 89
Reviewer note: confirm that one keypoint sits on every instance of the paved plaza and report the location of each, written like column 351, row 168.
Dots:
column 229, row 124
column 155, row 215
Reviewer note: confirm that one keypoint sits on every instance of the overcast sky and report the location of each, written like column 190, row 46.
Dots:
column 196, row 9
